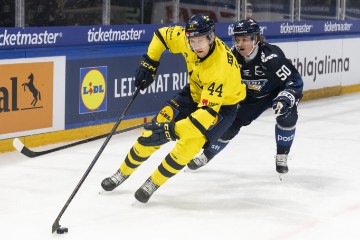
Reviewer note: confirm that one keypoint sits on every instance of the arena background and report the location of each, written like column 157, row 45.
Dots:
column 103, row 41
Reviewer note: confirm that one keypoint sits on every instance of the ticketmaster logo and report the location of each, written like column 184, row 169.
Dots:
column 98, row 35
column 19, row 38
column 287, row 28
column 337, row 27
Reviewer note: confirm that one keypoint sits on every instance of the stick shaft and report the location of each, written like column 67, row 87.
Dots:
column 56, row 224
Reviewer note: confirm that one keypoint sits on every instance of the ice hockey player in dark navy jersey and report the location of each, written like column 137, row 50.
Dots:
column 271, row 82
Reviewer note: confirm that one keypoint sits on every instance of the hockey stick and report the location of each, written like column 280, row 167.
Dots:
column 20, row 147
column 56, row 226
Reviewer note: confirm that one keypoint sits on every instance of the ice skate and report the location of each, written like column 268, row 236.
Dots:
column 281, row 165
column 144, row 193
column 110, row 183
column 198, row 162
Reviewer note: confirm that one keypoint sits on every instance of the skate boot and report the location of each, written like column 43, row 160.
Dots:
column 198, row 162
column 144, row 193
column 110, row 183
column 281, row 163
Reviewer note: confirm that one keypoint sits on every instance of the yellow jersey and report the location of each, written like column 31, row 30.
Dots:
column 214, row 80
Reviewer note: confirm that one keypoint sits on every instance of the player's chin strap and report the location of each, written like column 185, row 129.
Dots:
column 211, row 38
column 254, row 50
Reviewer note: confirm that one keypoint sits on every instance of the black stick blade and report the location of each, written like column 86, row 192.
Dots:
column 20, row 147
column 55, row 226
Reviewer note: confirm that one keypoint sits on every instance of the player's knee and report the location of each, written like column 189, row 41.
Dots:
column 144, row 151
column 229, row 134
column 287, row 122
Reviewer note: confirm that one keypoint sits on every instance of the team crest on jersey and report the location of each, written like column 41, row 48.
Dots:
column 258, row 71
column 166, row 114
column 256, row 85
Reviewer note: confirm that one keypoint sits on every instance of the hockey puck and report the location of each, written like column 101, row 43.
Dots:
column 62, row 230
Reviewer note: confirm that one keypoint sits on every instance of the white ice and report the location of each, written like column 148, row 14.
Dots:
column 237, row 196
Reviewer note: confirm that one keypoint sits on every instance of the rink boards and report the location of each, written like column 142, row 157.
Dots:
column 84, row 88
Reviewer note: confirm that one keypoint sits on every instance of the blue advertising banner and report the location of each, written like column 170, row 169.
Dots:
column 297, row 29
column 111, row 84
column 35, row 37
column 49, row 37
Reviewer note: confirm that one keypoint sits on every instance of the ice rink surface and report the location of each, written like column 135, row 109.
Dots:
column 237, row 196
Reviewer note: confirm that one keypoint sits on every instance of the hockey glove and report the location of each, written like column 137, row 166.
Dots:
column 146, row 71
column 283, row 103
column 158, row 134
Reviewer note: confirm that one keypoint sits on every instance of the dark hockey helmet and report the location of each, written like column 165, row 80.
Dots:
column 199, row 25
column 246, row 28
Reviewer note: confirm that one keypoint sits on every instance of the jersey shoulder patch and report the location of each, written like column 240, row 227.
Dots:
column 269, row 52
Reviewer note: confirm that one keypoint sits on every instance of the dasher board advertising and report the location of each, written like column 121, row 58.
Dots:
column 32, row 94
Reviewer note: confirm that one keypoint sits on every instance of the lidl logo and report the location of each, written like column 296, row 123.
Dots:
column 166, row 114
column 93, row 89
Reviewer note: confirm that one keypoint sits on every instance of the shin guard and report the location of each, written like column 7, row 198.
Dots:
column 284, row 138
column 215, row 148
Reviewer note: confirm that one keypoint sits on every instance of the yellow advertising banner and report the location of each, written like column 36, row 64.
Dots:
column 26, row 96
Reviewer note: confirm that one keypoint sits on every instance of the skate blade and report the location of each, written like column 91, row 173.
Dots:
column 281, row 176
column 188, row 170
column 137, row 204
column 102, row 191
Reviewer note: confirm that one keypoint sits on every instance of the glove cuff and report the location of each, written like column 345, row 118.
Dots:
column 152, row 62
column 290, row 98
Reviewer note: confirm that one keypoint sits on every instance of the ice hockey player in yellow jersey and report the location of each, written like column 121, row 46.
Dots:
column 196, row 116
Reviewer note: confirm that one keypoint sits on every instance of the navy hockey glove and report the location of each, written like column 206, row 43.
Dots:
column 146, row 71
column 161, row 133
column 283, row 103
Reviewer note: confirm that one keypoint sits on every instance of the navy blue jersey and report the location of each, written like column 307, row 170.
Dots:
column 269, row 73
